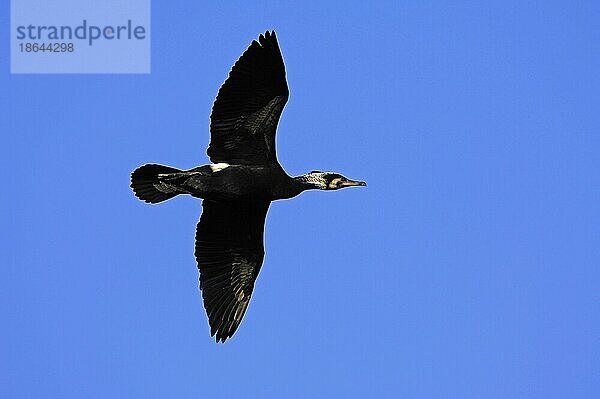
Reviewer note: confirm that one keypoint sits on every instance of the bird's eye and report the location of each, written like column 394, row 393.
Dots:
column 335, row 183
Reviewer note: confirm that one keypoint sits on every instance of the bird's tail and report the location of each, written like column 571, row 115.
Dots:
column 150, row 183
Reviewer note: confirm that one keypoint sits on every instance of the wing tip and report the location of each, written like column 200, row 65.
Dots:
column 268, row 36
column 222, row 334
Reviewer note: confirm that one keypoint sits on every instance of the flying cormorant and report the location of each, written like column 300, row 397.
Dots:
column 240, row 184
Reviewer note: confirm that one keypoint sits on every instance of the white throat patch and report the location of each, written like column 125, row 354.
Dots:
column 215, row 167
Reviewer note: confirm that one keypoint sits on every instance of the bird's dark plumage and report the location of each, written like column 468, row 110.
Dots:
column 229, row 251
column 247, row 109
column 239, row 186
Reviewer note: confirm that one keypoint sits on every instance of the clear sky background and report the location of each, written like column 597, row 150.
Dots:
column 468, row 268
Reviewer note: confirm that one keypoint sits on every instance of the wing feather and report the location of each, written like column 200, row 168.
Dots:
column 229, row 251
column 246, row 112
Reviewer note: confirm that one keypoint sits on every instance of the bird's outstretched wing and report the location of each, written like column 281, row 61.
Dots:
column 229, row 251
column 247, row 109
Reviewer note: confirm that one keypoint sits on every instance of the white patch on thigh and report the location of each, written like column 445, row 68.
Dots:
column 215, row 167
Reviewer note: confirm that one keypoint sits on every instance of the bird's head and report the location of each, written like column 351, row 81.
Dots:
column 329, row 180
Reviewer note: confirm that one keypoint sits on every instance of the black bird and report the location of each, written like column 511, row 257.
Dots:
column 240, row 184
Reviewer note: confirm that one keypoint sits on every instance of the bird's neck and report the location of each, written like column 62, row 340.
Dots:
column 309, row 182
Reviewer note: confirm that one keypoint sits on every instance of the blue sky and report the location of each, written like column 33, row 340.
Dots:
column 468, row 267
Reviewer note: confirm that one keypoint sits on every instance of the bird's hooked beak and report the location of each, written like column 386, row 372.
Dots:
column 351, row 183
